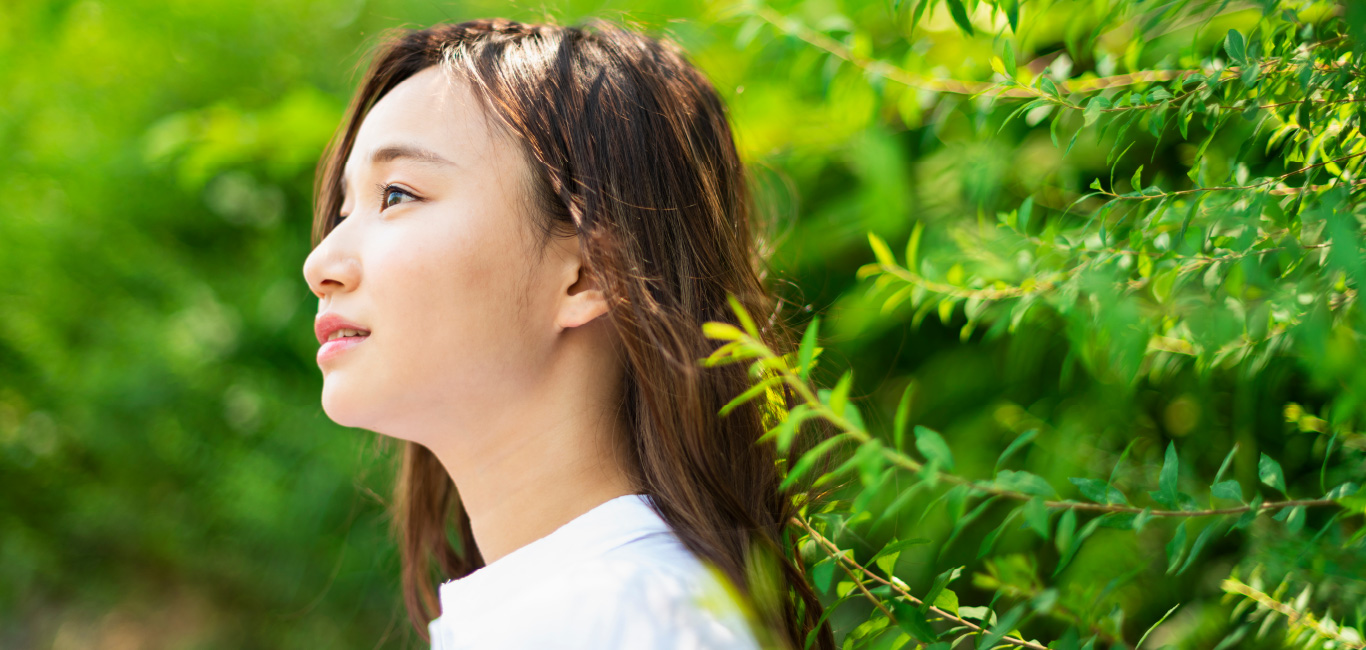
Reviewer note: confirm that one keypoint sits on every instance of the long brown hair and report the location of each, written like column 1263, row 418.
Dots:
column 632, row 150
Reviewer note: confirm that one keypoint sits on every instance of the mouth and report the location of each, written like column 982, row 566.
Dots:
column 345, row 333
column 337, row 334
column 340, row 342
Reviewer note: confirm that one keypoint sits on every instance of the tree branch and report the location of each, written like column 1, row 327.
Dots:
column 839, row 555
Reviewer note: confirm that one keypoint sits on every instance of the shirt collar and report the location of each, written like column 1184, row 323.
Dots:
column 606, row 526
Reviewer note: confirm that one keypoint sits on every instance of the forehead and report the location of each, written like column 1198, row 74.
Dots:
column 429, row 110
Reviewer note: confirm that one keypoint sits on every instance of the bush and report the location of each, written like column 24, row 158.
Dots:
column 1143, row 223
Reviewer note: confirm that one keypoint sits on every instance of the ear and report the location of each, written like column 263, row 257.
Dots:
column 581, row 299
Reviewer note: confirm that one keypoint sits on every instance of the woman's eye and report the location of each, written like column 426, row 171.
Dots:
column 391, row 195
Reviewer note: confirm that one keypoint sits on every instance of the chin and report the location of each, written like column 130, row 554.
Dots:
column 341, row 406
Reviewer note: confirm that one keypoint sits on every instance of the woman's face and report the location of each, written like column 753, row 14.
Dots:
column 436, row 259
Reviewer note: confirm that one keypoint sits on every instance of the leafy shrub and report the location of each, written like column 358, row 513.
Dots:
column 1189, row 240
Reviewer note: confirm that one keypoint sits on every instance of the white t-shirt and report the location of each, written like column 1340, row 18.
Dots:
column 614, row 577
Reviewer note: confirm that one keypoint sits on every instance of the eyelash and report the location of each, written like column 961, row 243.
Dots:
column 384, row 190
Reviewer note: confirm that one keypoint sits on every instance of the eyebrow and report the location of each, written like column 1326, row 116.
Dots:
column 393, row 152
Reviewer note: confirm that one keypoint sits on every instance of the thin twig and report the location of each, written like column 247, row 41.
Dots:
column 901, row 460
column 1233, row 585
column 955, row 86
column 840, row 557
column 1016, row 91
column 1269, row 181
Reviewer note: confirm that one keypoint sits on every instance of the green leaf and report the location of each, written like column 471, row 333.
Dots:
column 1205, row 536
column 962, row 521
column 903, row 416
column 1294, row 520
column 1229, row 489
column 881, row 252
column 749, row 394
column 807, row 352
column 1008, row 58
column 742, row 315
column 1051, row 88
column 1141, row 519
column 940, row 582
column 913, row 246
column 989, row 542
column 823, row 573
column 1269, row 471
column 1067, row 527
column 1002, row 627
column 960, row 16
column 1234, row 45
column 722, row 331
column 1099, row 491
column 1114, row 472
column 902, row 500
column 1183, row 117
column 947, row 601
column 840, row 395
column 1036, row 515
column 1224, row 465
column 1154, row 625
column 1342, row 491
column 946, row 310
column 932, row 446
column 913, row 621
column 727, row 354
column 1166, row 481
column 1015, row 445
column 886, row 558
column 1024, row 482
column 867, row 459
column 808, row 460
column 1137, row 181
column 792, row 425
column 1074, row 544
column 1094, row 108
column 1175, row 547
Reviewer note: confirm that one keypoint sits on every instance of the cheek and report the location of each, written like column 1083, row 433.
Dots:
column 455, row 301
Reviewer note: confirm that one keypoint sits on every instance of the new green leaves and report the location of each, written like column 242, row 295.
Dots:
column 932, row 446
column 1166, row 493
column 1099, row 491
column 960, row 16
column 806, row 354
column 1269, row 471
column 1235, row 46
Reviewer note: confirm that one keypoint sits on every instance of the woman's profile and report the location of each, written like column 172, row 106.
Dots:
column 519, row 230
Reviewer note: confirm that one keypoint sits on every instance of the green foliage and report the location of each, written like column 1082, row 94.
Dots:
column 1140, row 225
column 1135, row 415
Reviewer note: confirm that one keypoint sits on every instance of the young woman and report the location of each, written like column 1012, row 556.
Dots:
column 518, row 232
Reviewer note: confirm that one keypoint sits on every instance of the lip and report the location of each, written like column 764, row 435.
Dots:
column 328, row 323
column 331, row 349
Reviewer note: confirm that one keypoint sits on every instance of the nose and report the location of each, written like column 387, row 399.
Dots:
column 332, row 267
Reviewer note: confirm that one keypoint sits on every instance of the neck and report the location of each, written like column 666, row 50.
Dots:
column 555, row 456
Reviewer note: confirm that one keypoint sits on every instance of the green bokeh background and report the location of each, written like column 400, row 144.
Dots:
column 167, row 476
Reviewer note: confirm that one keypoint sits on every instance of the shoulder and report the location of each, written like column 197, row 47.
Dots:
column 651, row 594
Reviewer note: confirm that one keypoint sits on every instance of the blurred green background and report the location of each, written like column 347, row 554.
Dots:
column 167, row 476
